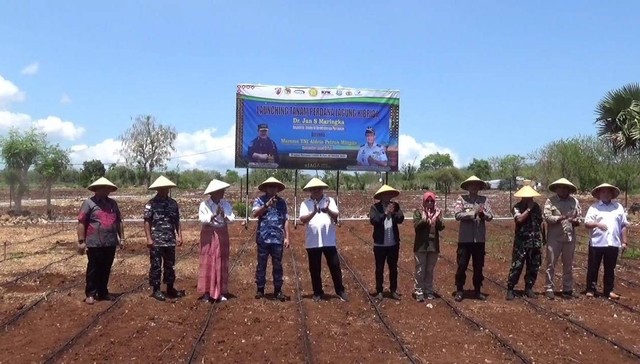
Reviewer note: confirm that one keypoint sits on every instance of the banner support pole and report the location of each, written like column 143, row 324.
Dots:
column 246, row 205
column 338, row 196
column 295, row 200
column 386, row 178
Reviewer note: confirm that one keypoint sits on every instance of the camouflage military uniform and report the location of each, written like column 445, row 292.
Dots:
column 527, row 246
column 164, row 216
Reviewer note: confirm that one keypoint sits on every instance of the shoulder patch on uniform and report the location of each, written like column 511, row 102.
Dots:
column 362, row 146
column 147, row 206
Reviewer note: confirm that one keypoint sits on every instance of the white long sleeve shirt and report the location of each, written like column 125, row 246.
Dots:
column 612, row 215
column 209, row 209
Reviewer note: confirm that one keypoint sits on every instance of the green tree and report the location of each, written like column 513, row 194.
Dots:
column 20, row 151
column 435, row 161
column 447, row 177
column 231, row 177
column 121, row 175
column 147, row 144
column 480, row 168
column 50, row 165
column 91, row 171
column 618, row 117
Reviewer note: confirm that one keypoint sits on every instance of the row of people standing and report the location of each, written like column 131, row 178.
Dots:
column 561, row 214
column 100, row 231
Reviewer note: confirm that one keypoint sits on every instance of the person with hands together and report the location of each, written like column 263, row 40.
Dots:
column 99, row 231
column 527, row 242
column 272, row 235
column 163, row 233
column 213, row 271
column 608, row 223
column 472, row 211
column 562, row 214
column 427, row 223
column 385, row 215
column 320, row 213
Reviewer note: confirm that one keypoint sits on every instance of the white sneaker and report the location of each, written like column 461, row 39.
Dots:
column 223, row 298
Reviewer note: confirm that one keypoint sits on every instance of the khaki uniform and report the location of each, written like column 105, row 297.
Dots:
column 561, row 239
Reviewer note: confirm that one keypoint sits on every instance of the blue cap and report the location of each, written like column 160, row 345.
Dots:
column 369, row 131
column 263, row 126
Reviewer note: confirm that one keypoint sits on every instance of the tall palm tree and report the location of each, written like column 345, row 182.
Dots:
column 618, row 118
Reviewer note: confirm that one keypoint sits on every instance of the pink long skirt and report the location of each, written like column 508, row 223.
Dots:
column 213, row 273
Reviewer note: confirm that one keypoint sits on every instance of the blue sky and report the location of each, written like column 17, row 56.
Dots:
column 476, row 78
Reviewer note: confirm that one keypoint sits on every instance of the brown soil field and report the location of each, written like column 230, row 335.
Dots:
column 44, row 319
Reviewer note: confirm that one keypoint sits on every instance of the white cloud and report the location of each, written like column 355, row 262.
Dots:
column 65, row 99
column 53, row 125
column 108, row 151
column 202, row 149
column 9, row 92
column 31, row 69
column 412, row 151
column 10, row 120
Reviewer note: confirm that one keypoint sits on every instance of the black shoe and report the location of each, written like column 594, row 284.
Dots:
column 158, row 295
column 206, row 298
column 459, row 296
column 105, row 297
column 259, row 294
column 280, row 296
column 569, row 295
column 343, row 296
column 530, row 294
column 431, row 296
column 317, row 298
column 510, row 295
column 395, row 296
column 175, row 293
column 550, row 295
column 379, row 296
column 480, row 296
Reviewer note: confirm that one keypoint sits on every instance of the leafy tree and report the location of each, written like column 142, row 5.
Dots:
column 147, row 144
column 20, row 151
column 91, row 171
column 446, row 178
column 480, row 168
column 51, row 164
column 435, row 161
column 121, row 175
column 618, row 117
column 196, row 178
column 231, row 176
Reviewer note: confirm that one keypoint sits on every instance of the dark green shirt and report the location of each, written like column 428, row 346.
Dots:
column 427, row 239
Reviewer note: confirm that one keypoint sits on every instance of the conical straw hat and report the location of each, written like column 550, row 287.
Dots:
column 161, row 182
column 526, row 191
column 315, row 182
column 271, row 181
column 215, row 185
column 386, row 189
column 596, row 191
column 562, row 182
column 471, row 180
column 101, row 182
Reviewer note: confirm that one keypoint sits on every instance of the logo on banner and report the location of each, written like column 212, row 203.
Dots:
column 287, row 90
column 278, row 90
column 313, row 92
column 299, row 92
column 326, row 92
column 339, row 92
column 348, row 93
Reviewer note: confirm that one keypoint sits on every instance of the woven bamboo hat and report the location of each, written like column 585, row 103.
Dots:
column 162, row 182
column 526, row 191
column 473, row 180
column 596, row 191
column 216, row 185
column 315, row 182
column 386, row 189
column 562, row 182
column 102, row 182
column 271, row 181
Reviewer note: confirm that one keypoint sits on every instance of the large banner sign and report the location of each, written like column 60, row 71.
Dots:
column 317, row 128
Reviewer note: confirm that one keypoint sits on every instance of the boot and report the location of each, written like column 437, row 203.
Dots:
column 510, row 295
column 174, row 293
column 530, row 294
column 459, row 296
column 157, row 294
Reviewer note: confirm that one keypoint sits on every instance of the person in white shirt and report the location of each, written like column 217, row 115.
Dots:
column 608, row 223
column 320, row 213
column 214, row 214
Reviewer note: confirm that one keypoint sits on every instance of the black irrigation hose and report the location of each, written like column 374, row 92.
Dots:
column 207, row 321
column 306, row 341
column 56, row 354
column 30, row 240
column 15, row 280
column 543, row 309
column 390, row 330
column 468, row 318
column 44, row 297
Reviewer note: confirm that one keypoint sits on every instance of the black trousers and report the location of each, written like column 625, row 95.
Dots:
column 596, row 255
column 466, row 252
column 315, row 268
column 390, row 255
column 162, row 257
column 99, row 265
